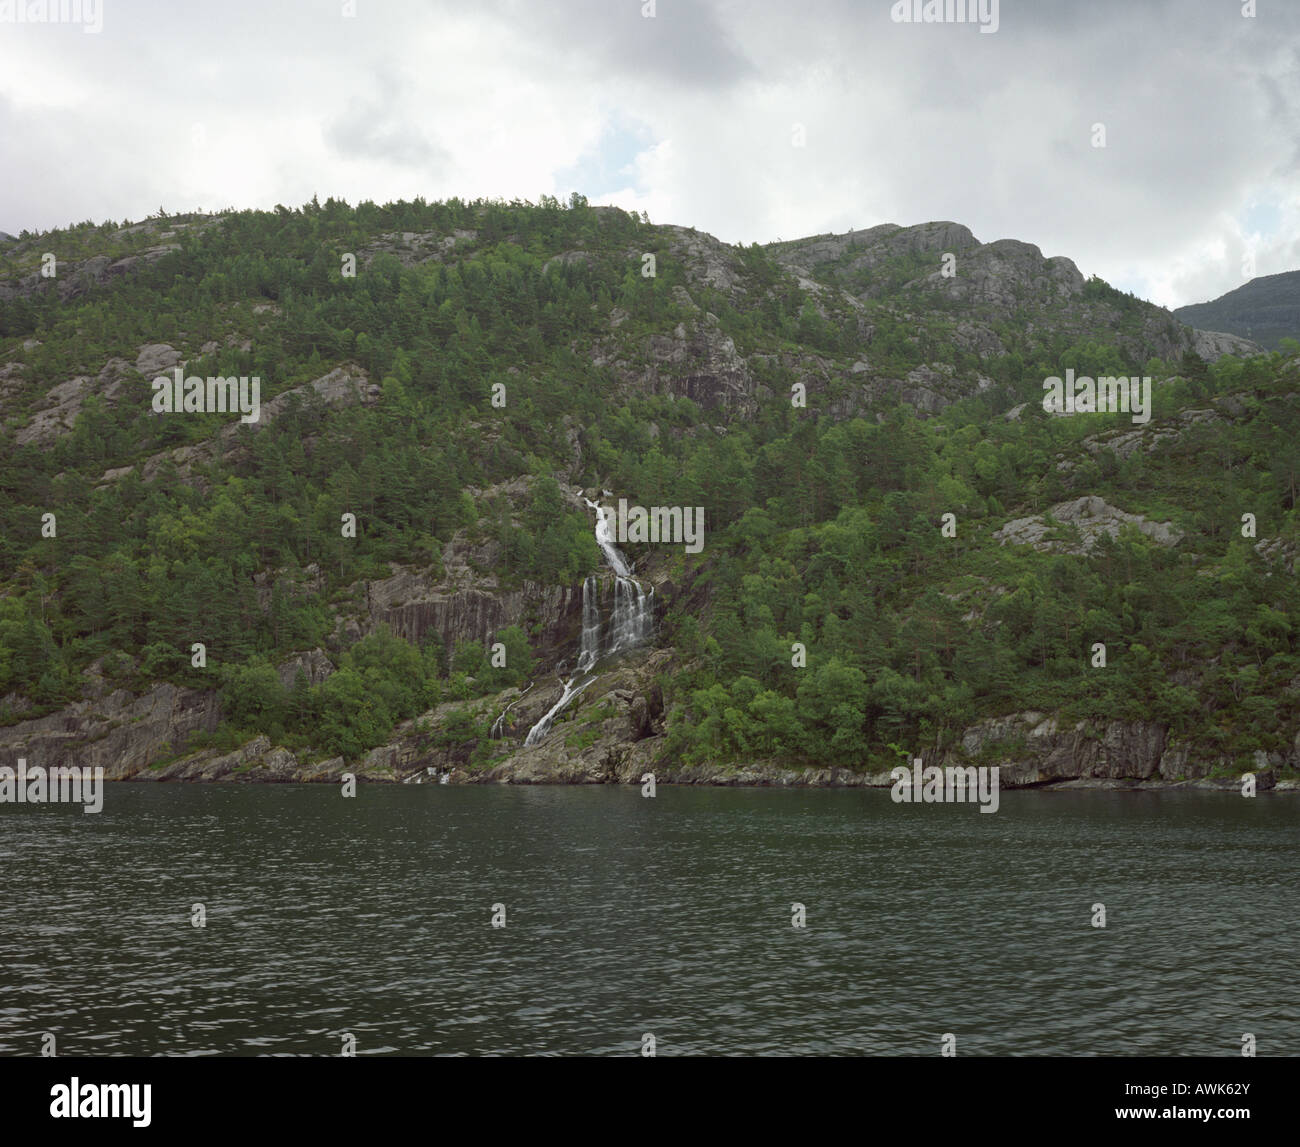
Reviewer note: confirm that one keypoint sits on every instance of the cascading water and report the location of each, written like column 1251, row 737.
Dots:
column 589, row 646
column 588, row 651
column 498, row 726
column 543, row 727
column 629, row 625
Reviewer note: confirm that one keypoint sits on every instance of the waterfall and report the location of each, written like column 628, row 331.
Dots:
column 498, row 726
column 539, row 731
column 630, row 622
column 589, row 647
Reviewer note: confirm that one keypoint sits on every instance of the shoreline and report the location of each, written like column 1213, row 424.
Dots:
column 746, row 779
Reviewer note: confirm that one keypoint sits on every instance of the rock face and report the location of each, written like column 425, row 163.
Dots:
column 157, row 358
column 346, row 385
column 1003, row 274
column 568, row 259
column 75, row 279
column 464, row 601
column 115, row 731
column 413, row 605
column 1148, row 437
column 1213, row 345
column 1006, row 274
column 58, row 419
column 67, row 399
column 1093, row 517
column 708, row 262
column 258, row 760
column 315, row 666
column 1033, row 748
column 700, row 363
column 1279, row 550
column 875, row 245
column 988, row 281
column 933, row 386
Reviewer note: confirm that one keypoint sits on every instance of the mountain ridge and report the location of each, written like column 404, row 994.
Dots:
column 1266, row 309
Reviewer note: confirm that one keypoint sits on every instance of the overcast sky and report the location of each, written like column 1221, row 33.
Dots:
column 693, row 115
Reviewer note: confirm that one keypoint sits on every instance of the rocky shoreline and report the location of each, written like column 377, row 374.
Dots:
column 614, row 735
column 270, row 770
column 775, row 776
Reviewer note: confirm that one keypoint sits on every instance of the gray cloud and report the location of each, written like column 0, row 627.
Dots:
column 254, row 103
column 374, row 127
column 687, row 45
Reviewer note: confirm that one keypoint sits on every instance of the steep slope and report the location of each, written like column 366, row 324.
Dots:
column 1266, row 310
column 391, row 561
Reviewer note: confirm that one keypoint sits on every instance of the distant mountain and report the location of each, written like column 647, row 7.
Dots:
column 1266, row 310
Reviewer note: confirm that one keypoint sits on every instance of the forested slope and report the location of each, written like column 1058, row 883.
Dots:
column 827, row 402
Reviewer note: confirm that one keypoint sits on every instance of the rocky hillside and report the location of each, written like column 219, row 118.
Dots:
column 385, row 571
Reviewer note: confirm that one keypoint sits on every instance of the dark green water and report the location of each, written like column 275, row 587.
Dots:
column 628, row 915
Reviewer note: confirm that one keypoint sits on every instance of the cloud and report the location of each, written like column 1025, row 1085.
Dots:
column 373, row 128
column 749, row 120
column 683, row 46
